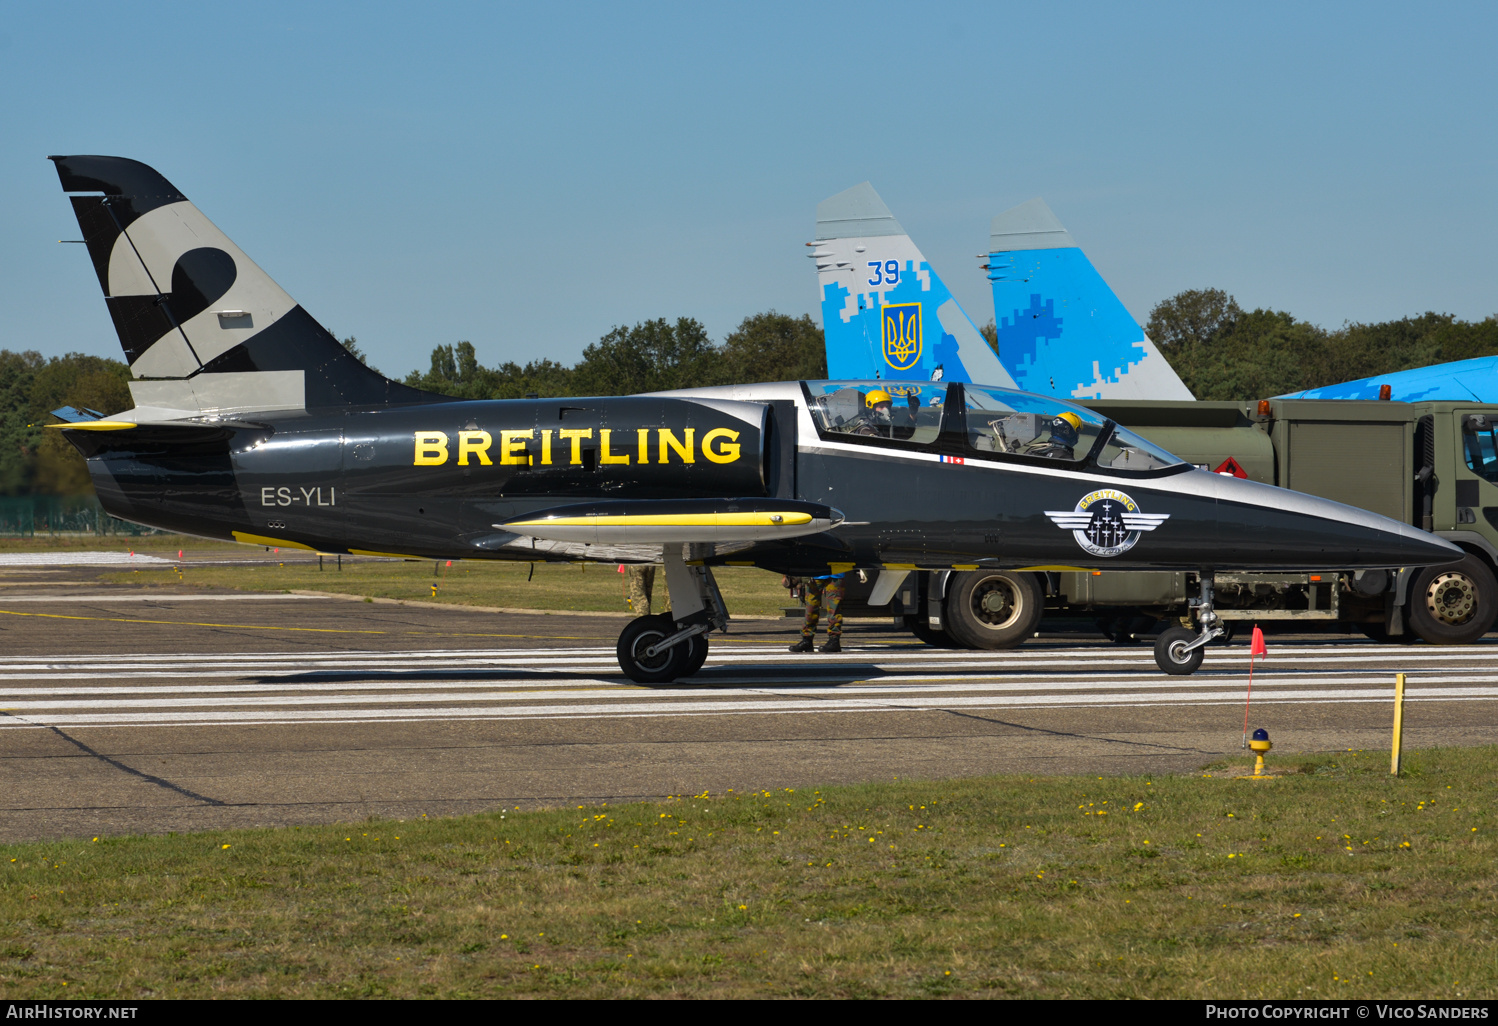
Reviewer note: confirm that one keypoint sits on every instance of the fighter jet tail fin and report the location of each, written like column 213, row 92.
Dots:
column 204, row 329
column 1061, row 329
column 885, row 312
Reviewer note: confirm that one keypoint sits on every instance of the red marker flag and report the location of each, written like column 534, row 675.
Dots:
column 621, row 568
column 1255, row 648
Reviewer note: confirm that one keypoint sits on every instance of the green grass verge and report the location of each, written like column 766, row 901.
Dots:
column 1337, row 882
column 578, row 587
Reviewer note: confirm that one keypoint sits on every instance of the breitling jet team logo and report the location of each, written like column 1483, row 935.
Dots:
column 902, row 334
column 1106, row 522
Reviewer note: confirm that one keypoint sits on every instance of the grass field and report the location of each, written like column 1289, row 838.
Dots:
column 1335, row 882
column 561, row 586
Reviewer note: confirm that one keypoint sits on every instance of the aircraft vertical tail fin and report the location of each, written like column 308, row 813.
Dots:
column 204, row 329
column 885, row 312
column 1061, row 329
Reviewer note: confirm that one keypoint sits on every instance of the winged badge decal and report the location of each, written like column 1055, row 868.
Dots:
column 1106, row 522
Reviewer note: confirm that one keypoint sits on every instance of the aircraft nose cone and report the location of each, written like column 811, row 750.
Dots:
column 1421, row 548
column 1261, row 525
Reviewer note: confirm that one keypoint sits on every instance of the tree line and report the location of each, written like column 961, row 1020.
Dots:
column 1219, row 350
column 1222, row 351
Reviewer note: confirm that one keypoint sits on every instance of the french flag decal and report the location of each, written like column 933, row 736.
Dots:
column 954, row 459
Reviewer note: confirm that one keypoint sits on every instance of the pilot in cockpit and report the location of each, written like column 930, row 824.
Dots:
column 877, row 416
column 1060, row 440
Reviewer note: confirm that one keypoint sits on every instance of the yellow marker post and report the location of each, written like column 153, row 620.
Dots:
column 1261, row 746
column 1398, row 724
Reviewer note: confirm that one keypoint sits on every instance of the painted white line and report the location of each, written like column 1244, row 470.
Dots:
column 832, row 698
column 720, row 654
column 139, row 597
column 12, row 699
column 656, row 709
column 77, row 559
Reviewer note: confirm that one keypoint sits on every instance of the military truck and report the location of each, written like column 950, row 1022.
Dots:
column 1433, row 465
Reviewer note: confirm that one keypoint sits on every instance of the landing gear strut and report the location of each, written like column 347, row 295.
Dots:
column 656, row 649
column 1179, row 650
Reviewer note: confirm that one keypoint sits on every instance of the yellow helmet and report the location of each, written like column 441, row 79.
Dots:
column 1072, row 419
column 879, row 395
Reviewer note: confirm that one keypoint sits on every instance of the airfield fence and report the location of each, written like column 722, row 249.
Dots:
column 25, row 516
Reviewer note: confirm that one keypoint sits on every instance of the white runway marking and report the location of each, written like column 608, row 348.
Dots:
column 573, row 682
column 78, row 559
column 244, row 596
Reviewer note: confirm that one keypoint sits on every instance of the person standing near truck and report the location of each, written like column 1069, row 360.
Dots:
column 822, row 593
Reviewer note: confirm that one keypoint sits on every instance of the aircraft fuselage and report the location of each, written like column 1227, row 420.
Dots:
column 441, row 480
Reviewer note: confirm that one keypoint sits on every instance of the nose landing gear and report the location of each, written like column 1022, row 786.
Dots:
column 671, row 645
column 1179, row 650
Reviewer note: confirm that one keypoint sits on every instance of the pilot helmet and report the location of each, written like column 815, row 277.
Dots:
column 1064, row 428
column 876, row 396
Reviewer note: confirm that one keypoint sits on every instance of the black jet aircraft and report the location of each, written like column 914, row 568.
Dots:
column 251, row 422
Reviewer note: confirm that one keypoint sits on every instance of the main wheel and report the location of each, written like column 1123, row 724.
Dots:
column 1453, row 604
column 1171, row 654
column 696, row 654
column 1380, row 633
column 638, row 635
column 992, row 608
column 933, row 636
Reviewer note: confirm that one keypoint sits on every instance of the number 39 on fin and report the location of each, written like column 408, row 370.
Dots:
column 886, row 272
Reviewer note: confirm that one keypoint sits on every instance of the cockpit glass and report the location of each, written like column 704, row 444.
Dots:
column 1000, row 421
column 895, row 410
column 1021, row 424
column 1125, row 450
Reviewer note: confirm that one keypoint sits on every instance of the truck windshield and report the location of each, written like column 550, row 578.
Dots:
column 900, row 411
column 1478, row 442
column 1042, row 428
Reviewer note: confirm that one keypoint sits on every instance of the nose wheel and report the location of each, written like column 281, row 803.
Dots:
column 637, row 661
column 1175, row 653
column 672, row 645
column 1179, row 650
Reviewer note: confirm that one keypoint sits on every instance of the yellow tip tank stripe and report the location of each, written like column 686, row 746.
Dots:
column 96, row 425
column 275, row 543
column 387, row 555
column 770, row 519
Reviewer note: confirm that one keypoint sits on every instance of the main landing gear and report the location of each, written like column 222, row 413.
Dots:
column 1179, row 650
column 664, row 647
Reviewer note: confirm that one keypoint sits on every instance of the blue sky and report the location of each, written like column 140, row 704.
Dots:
column 527, row 176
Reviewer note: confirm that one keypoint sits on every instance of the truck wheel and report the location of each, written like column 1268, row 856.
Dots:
column 1171, row 655
column 993, row 609
column 638, row 635
column 1453, row 604
column 1380, row 633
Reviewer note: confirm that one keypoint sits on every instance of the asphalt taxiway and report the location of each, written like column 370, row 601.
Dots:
column 125, row 710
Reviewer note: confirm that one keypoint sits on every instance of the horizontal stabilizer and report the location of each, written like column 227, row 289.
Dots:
column 93, row 437
column 74, row 414
column 664, row 521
